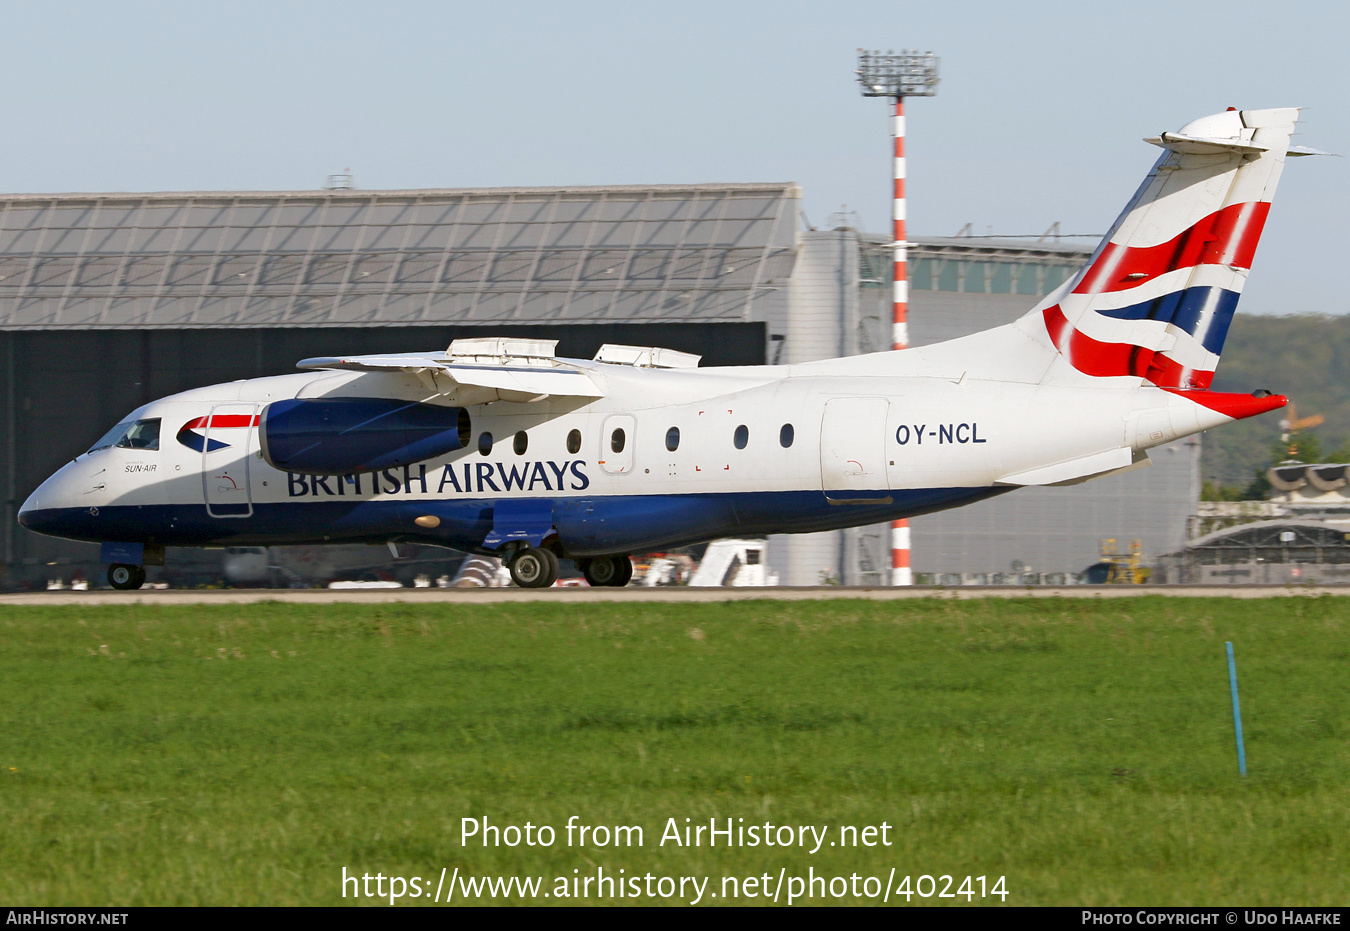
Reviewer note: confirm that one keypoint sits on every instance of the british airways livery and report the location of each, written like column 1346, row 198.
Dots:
column 497, row 446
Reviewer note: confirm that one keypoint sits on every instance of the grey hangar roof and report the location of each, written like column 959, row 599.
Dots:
column 664, row 253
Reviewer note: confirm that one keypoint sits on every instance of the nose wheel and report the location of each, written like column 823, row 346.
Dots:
column 608, row 571
column 534, row 567
column 124, row 577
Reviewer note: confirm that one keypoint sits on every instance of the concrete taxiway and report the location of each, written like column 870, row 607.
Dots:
column 634, row 594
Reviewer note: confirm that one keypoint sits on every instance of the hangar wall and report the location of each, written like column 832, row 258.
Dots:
column 822, row 302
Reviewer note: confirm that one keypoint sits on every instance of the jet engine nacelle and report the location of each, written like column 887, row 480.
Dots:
column 346, row 436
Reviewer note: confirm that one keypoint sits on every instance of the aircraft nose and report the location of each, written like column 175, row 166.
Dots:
column 52, row 510
column 26, row 511
column 39, row 515
column 31, row 506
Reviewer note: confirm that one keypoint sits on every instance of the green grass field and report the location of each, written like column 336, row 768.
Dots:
column 1081, row 748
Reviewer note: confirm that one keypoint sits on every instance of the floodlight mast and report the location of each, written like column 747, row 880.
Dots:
column 907, row 74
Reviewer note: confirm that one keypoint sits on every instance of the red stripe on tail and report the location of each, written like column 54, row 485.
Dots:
column 1225, row 237
column 1104, row 360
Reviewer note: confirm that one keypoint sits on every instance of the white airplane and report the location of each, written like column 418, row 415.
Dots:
column 496, row 446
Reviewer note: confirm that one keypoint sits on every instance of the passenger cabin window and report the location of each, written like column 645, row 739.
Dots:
column 785, row 436
column 485, row 443
column 520, row 443
column 132, row 434
column 742, row 436
column 673, row 439
column 574, row 442
column 464, row 427
column 617, row 440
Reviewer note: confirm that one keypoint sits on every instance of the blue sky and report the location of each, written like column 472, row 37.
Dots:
column 1038, row 118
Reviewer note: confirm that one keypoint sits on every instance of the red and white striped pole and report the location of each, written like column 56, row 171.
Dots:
column 901, row 574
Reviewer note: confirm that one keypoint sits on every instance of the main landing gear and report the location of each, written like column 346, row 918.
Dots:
column 534, row 567
column 607, row 571
column 537, row 567
column 124, row 577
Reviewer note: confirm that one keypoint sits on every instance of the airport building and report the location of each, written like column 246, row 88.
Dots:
column 110, row 300
column 1299, row 535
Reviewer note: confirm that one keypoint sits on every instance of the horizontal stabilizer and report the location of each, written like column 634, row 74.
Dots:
column 1075, row 470
column 1201, row 145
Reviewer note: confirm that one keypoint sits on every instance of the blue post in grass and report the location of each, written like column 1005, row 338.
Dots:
column 1237, row 711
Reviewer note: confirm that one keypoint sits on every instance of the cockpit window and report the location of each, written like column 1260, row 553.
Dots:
column 144, row 434
column 131, row 434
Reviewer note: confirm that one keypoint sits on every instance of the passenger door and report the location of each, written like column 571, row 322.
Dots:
column 616, row 443
column 853, row 445
column 231, row 437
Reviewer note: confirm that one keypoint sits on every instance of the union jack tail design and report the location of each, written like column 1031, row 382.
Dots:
column 1156, row 298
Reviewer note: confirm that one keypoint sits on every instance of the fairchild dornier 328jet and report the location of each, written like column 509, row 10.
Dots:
column 496, row 446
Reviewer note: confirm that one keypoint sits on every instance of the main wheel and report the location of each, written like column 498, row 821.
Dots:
column 124, row 577
column 534, row 567
column 608, row 571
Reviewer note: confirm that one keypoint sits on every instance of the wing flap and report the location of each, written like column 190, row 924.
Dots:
column 560, row 382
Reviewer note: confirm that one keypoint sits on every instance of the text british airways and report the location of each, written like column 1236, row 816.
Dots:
column 457, row 477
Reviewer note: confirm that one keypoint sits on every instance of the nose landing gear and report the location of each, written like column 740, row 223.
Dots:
column 124, row 577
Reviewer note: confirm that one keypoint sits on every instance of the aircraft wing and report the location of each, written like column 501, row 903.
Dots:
column 389, row 363
column 513, row 382
column 559, row 382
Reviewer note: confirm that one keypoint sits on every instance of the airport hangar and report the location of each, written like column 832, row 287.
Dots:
column 108, row 301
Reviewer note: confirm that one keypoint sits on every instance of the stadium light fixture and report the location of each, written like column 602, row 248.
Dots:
column 891, row 74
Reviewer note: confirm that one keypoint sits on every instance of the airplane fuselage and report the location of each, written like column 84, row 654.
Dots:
column 745, row 451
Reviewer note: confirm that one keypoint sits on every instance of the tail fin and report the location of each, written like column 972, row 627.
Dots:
column 1156, row 298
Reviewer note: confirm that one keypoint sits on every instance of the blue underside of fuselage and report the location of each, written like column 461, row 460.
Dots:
column 586, row 526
